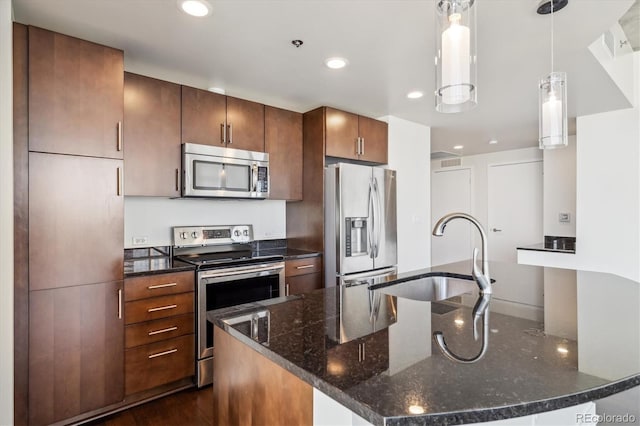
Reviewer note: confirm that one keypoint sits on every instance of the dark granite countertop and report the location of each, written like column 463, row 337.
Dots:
column 554, row 244
column 152, row 260
column 530, row 366
column 288, row 253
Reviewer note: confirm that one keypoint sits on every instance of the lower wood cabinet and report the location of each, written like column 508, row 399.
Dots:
column 159, row 333
column 75, row 351
column 303, row 275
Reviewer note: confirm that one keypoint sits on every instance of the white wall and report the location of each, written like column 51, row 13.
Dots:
column 559, row 191
column 608, row 191
column 409, row 154
column 153, row 217
column 6, row 214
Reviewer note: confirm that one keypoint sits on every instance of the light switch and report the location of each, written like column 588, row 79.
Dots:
column 140, row 240
column 564, row 217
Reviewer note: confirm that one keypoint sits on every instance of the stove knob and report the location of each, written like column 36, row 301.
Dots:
column 236, row 233
column 184, row 235
column 245, row 233
column 194, row 234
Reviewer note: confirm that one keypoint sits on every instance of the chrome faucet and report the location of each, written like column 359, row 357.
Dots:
column 481, row 277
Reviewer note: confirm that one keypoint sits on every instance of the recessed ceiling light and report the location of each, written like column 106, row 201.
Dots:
column 458, row 147
column 217, row 90
column 336, row 63
column 415, row 95
column 197, row 8
column 493, row 142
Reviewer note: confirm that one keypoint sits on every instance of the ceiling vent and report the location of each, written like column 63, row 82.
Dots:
column 452, row 162
column 439, row 155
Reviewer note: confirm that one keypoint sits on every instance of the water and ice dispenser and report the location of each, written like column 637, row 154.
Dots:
column 356, row 235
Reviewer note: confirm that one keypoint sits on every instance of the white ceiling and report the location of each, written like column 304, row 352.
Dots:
column 245, row 47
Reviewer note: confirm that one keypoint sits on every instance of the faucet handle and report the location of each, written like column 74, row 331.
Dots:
column 480, row 278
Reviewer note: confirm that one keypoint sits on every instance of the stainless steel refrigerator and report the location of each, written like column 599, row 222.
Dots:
column 360, row 224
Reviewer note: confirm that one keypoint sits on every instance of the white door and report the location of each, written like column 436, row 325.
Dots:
column 451, row 192
column 515, row 208
column 515, row 219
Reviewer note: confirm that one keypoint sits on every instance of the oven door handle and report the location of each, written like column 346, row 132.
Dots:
column 242, row 272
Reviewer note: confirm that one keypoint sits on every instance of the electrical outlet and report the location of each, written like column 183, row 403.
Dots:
column 564, row 217
column 138, row 241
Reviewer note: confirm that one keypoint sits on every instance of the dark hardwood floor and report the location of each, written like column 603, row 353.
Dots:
column 187, row 408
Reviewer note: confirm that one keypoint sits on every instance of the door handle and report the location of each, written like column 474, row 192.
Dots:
column 496, row 230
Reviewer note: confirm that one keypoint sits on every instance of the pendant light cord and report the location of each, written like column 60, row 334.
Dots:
column 552, row 35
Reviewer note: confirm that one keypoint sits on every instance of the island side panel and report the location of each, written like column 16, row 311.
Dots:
column 250, row 389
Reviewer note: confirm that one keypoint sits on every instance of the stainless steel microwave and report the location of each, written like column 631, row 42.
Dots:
column 212, row 171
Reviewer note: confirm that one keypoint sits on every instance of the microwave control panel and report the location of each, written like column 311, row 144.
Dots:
column 185, row 236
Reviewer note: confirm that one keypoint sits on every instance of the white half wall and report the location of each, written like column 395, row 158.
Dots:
column 409, row 155
column 559, row 193
column 6, row 213
column 153, row 217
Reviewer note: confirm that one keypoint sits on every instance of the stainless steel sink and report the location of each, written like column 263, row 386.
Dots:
column 431, row 289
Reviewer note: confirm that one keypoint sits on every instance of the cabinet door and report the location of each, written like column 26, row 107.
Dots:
column 76, row 351
column 75, row 96
column 151, row 136
column 303, row 283
column 203, row 116
column 245, row 124
column 283, row 143
column 375, row 140
column 341, row 134
column 76, row 220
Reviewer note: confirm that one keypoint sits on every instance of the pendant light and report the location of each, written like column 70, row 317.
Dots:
column 552, row 97
column 455, row 59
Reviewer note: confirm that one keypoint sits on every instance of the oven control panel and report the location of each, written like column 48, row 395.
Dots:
column 185, row 236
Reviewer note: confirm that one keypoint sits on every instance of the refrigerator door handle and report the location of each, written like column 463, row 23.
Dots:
column 370, row 230
column 377, row 222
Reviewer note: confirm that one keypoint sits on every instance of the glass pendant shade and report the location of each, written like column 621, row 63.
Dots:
column 456, row 68
column 553, row 111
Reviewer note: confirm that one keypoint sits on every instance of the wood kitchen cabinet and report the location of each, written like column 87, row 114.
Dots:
column 152, row 157
column 355, row 137
column 76, row 220
column 212, row 119
column 75, row 96
column 283, row 143
column 159, row 334
column 75, row 351
column 302, row 275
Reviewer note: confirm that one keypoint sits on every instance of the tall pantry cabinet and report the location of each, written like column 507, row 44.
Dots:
column 73, row 220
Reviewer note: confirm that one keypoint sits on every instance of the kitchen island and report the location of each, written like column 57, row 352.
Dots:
column 369, row 351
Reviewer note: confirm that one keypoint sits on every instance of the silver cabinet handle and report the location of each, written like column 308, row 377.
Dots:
column 364, row 353
column 162, row 308
column 305, row 266
column 496, row 230
column 119, row 136
column 361, row 146
column 357, row 146
column 171, row 351
column 359, row 352
column 119, row 182
column 164, row 330
column 230, row 126
column 286, row 289
column 223, row 133
column 119, row 303
column 153, row 287
column 177, row 179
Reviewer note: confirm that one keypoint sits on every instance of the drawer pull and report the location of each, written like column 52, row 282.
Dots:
column 164, row 330
column 305, row 266
column 163, row 353
column 162, row 308
column 153, row 287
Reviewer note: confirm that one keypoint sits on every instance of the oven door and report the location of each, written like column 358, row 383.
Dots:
column 221, row 288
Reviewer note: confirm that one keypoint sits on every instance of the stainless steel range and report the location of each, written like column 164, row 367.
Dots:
column 228, row 272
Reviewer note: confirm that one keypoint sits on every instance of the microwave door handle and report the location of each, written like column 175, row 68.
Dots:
column 254, row 175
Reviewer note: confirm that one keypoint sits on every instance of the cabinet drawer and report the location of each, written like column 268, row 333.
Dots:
column 154, row 331
column 302, row 266
column 158, row 285
column 159, row 363
column 303, row 283
column 158, row 307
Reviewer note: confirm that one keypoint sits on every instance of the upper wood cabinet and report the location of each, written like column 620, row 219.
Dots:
column 283, row 143
column 212, row 119
column 355, row 137
column 76, row 220
column 151, row 137
column 75, row 96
